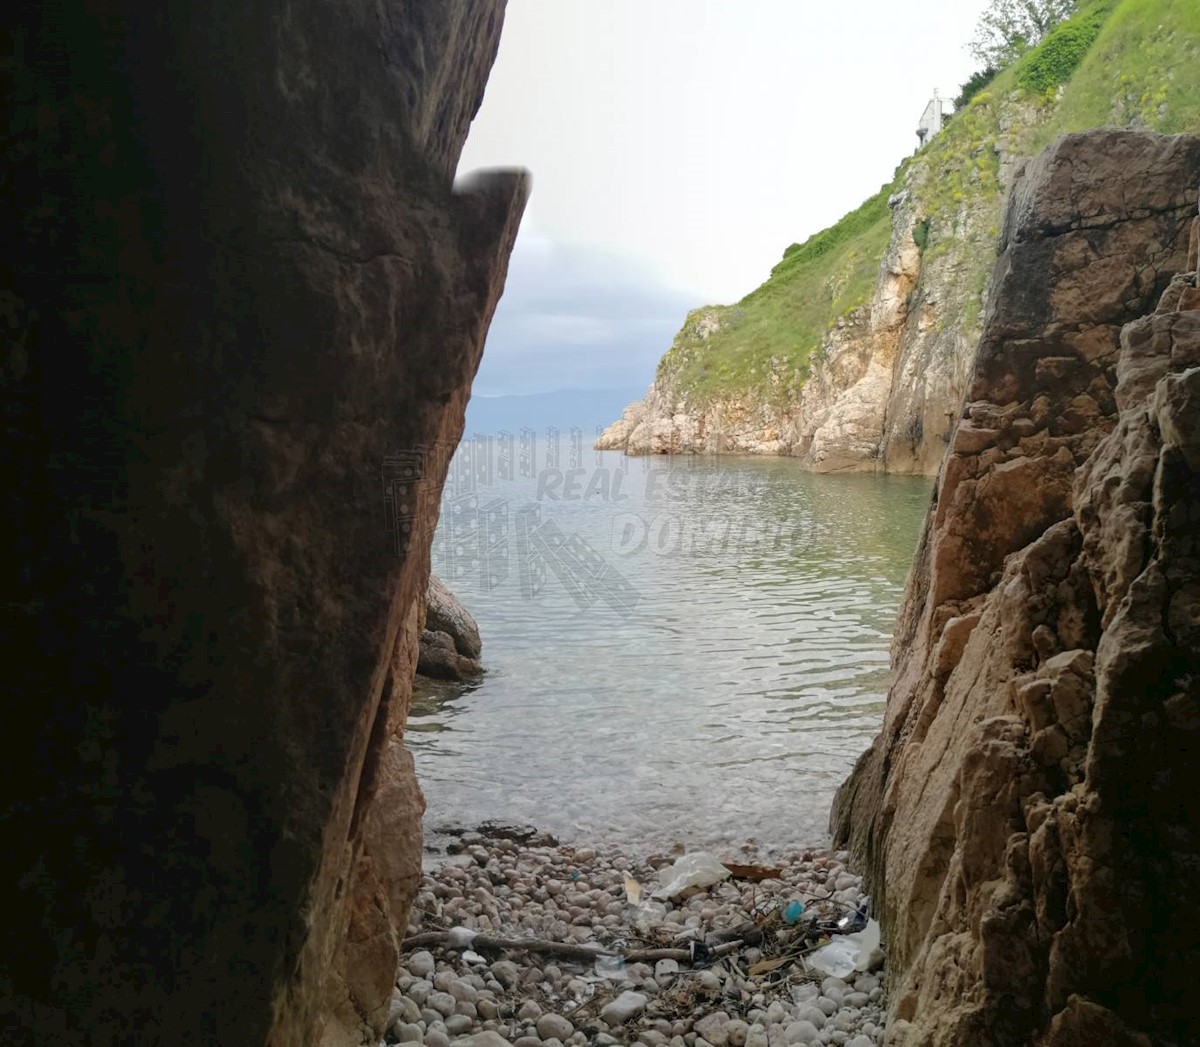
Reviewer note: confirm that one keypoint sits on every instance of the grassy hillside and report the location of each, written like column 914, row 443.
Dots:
column 1142, row 71
column 765, row 341
column 1114, row 63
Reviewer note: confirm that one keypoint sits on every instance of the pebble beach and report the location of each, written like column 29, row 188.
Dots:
column 735, row 974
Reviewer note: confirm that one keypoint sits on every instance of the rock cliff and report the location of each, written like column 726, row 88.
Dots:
column 244, row 310
column 878, row 390
column 854, row 355
column 1025, row 815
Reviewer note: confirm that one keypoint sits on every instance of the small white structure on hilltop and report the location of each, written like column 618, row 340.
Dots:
column 931, row 120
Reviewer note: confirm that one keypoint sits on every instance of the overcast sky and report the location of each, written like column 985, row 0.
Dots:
column 677, row 147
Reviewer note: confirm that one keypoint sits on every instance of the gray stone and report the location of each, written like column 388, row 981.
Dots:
column 506, row 973
column 460, row 990
column 554, row 1026
column 457, row 1024
column 442, row 1002
column 405, row 1010
column 809, row 1013
column 487, row 1038
column 712, row 1028
column 626, row 1006
column 421, row 964
column 801, row 1032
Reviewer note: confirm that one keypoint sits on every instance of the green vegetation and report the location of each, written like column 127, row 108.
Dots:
column 1058, row 56
column 974, row 85
column 765, row 343
column 1008, row 29
column 921, row 234
column 1133, row 63
column 1142, row 71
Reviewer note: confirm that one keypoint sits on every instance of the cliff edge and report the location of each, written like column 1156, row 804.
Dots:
column 855, row 353
column 1026, row 815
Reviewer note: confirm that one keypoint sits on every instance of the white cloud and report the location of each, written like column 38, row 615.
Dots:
column 703, row 136
column 577, row 317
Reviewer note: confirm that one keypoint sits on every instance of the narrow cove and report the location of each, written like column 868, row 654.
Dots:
column 717, row 684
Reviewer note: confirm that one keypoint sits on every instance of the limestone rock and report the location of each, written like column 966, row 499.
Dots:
column 627, row 1005
column 242, row 296
column 1019, row 816
column 450, row 646
column 440, row 660
column 444, row 613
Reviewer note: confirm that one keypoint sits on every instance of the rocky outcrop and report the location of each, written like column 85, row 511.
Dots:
column 450, row 643
column 881, row 381
column 882, row 389
column 244, row 310
column 1024, row 816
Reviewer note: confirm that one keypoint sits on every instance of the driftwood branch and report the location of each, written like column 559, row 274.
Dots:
column 565, row 950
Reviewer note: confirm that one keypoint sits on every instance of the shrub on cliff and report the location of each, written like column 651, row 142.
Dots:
column 1061, row 53
column 1009, row 28
column 973, row 86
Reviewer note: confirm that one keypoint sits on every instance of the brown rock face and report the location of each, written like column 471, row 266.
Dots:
column 244, row 299
column 450, row 642
column 1026, row 814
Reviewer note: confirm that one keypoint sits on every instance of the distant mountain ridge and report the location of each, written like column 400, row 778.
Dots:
column 586, row 409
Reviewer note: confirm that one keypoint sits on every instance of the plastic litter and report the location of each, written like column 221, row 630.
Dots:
column 853, row 922
column 633, row 890
column 609, row 967
column 793, row 912
column 697, row 869
column 648, row 914
column 847, row 954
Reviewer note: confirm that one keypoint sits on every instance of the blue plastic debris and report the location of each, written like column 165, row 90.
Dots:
column 793, row 912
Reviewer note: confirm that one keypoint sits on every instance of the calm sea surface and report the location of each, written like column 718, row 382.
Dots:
column 676, row 649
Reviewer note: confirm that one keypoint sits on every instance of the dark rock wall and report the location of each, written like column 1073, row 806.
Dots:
column 1024, row 815
column 238, row 281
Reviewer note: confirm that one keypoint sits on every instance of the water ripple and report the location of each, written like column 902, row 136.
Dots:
column 728, row 704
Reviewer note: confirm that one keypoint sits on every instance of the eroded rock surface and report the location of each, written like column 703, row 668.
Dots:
column 245, row 310
column 1025, row 815
column 450, row 644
